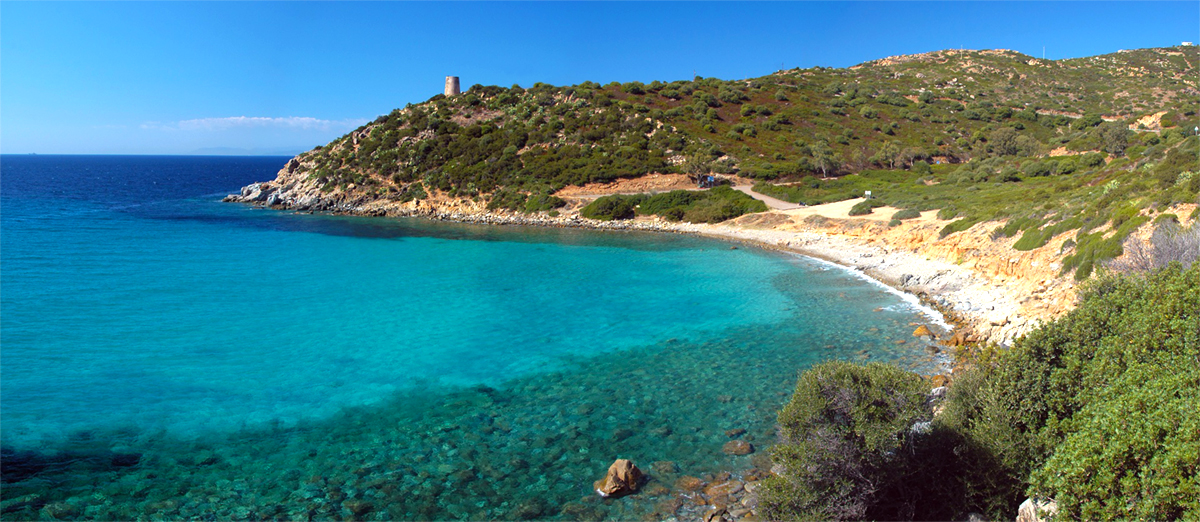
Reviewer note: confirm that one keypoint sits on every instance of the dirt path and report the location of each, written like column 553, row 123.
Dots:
column 774, row 204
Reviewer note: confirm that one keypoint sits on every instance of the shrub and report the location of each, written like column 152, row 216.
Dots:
column 842, row 434
column 956, row 226
column 1097, row 409
column 908, row 213
column 864, row 207
column 608, row 208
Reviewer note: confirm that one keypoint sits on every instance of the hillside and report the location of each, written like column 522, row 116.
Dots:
column 1097, row 146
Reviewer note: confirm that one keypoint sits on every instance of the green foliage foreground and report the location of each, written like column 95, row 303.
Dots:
column 1096, row 410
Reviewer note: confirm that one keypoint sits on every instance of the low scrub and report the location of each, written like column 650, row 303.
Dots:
column 708, row 206
column 1096, row 410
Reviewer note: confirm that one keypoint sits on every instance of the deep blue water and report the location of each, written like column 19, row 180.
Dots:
column 159, row 346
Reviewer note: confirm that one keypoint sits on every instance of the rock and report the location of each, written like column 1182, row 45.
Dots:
column 689, row 484
column 656, row 490
column 960, row 338
column 715, row 515
column 358, row 507
column 664, row 467
column 620, row 434
column 923, row 331
column 738, row 447
column 622, row 479
column 939, row 380
column 937, row 393
column 734, row 433
column 724, row 489
column 1036, row 510
column 60, row 510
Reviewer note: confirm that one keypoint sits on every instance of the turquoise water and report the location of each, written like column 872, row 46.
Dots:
column 167, row 355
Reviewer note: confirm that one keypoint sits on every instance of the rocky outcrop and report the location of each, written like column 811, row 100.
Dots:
column 622, row 479
column 1036, row 510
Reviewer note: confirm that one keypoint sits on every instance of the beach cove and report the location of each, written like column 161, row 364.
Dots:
column 226, row 361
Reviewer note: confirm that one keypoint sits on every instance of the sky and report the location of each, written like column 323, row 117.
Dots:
column 282, row 77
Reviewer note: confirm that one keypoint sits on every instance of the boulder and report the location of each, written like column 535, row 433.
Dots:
column 1036, row 510
column 622, row 479
column 724, row 489
column 923, row 331
column 738, row 447
column 735, row 433
column 689, row 484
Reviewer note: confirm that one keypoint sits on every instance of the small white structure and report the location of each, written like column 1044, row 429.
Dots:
column 1187, row 44
column 452, row 86
column 867, row 194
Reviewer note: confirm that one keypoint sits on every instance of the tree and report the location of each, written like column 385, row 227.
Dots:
column 888, row 153
column 1003, row 141
column 1115, row 138
column 697, row 165
column 823, row 157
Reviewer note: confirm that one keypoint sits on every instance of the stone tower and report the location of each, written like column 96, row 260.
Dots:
column 452, row 85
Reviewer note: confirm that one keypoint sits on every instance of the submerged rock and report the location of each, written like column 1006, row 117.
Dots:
column 689, row 483
column 622, row 479
column 738, row 447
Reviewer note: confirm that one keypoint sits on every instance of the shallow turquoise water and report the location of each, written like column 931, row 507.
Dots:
column 166, row 355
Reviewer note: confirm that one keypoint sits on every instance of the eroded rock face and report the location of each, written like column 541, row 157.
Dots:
column 622, row 479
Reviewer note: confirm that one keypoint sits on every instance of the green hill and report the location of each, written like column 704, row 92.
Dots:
column 1048, row 145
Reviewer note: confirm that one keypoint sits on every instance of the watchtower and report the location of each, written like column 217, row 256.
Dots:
column 452, row 85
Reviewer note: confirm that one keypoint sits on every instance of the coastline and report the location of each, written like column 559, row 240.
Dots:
column 983, row 306
column 964, row 298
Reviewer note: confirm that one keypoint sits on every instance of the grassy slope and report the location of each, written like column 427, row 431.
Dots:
column 515, row 147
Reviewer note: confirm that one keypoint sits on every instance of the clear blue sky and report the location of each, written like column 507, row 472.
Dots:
column 175, row 78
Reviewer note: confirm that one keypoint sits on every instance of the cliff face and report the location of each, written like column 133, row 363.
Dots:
column 294, row 188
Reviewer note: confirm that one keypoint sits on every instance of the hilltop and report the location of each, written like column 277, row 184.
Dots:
column 1070, row 156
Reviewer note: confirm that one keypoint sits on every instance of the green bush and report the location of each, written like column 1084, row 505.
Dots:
column 845, row 429
column 1097, row 409
column 957, row 226
column 608, row 208
column 864, row 207
column 908, row 213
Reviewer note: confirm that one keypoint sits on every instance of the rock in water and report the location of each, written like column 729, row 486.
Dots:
column 738, row 447
column 922, row 331
column 622, row 479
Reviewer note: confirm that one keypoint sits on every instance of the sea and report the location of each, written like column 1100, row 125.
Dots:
column 164, row 355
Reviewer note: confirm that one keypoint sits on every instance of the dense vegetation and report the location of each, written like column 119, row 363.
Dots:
column 710, row 206
column 1094, row 145
column 1096, row 410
